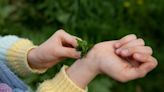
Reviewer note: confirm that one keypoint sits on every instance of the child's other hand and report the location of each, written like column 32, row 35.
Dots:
column 130, row 60
column 61, row 45
column 138, row 56
column 129, row 46
column 112, row 59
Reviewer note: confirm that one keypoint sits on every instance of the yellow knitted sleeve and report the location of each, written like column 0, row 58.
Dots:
column 60, row 83
column 17, row 57
column 17, row 60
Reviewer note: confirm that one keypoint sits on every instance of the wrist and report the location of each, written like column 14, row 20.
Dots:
column 81, row 74
column 92, row 66
column 33, row 59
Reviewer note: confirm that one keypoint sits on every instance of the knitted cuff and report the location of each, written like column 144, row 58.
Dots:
column 17, row 57
column 60, row 83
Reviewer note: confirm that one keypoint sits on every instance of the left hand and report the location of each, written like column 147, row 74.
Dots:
column 113, row 59
column 59, row 46
column 129, row 60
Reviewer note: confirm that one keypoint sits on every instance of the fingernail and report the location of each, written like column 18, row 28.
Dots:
column 125, row 52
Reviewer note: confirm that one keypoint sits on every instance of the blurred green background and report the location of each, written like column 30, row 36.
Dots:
column 94, row 21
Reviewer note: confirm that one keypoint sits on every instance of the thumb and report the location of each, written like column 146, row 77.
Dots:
column 70, row 53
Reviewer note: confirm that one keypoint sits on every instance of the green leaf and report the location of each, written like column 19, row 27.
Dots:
column 83, row 47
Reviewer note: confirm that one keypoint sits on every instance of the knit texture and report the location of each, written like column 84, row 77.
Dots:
column 17, row 54
column 60, row 83
column 15, row 50
column 5, row 43
column 11, row 80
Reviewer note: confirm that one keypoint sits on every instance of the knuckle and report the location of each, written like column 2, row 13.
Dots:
column 155, row 62
column 128, row 38
column 141, row 41
column 151, row 66
column 150, row 49
column 61, row 31
column 125, row 40
column 133, row 36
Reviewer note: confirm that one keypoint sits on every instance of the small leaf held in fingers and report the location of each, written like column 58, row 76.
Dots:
column 83, row 46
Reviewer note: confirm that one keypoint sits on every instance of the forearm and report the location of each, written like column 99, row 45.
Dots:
column 73, row 79
column 60, row 83
column 34, row 59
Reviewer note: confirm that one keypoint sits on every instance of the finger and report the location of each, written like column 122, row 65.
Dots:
column 143, row 57
column 148, row 64
column 77, row 38
column 125, row 40
column 137, row 49
column 137, row 42
column 67, row 38
column 69, row 53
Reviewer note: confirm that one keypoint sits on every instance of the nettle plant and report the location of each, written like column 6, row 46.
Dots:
column 83, row 47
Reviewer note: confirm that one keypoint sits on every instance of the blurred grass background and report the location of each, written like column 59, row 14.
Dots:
column 94, row 21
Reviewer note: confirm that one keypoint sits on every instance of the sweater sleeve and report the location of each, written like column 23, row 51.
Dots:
column 14, row 51
column 60, row 83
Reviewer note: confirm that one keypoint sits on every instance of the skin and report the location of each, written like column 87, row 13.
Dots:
column 59, row 46
column 123, row 60
column 105, row 58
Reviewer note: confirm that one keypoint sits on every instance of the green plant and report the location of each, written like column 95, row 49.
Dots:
column 83, row 47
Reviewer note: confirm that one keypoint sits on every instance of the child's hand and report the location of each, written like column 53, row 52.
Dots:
column 135, row 61
column 56, row 48
column 129, row 46
column 109, row 58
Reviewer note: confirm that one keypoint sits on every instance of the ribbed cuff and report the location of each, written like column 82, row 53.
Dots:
column 60, row 83
column 17, row 57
